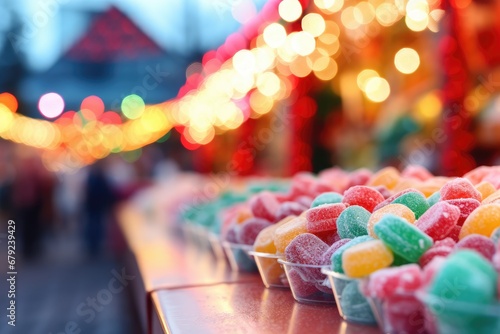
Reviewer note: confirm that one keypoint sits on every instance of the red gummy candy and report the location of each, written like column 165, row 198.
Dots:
column 388, row 282
column 479, row 243
column 300, row 284
column 265, row 205
column 290, row 209
column 416, row 172
column 438, row 221
column 459, row 188
column 455, row 233
column 449, row 242
column 405, row 314
column 390, row 199
column 359, row 177
column 323, row 217
column 304, row 200
column 431, row 269
column 326, row 258
column 466, row 206
column 302, row 183
column 384, row 191
column 364, row 196
column 249, row 229
column 434, row 251
column 320, row 187
column 305, row 248
column 328, row 237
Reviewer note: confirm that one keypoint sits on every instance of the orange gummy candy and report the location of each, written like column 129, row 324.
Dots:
column 493, row 198
column 397, row 209
column 286, row 232
column 484, row 220
column 264, row 243
column 363, row 259
column 388, row 176
column 485, row 188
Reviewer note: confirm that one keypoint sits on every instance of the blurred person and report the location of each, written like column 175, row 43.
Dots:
column 98, row 201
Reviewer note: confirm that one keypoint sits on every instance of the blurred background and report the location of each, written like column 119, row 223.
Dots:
column 100, row 98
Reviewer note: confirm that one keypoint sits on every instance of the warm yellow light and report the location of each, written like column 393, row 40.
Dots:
column 348, row 18
column 268, row 84
column 377, row 89
column 328, row 72
column 274, row 35
column 299, row 67
column 6, row 118
column 406, row 60
column 290, row 10
column 417, row 15
column 417, row 25
column 265, row 58
column 329, row 6
column 364, row 76
column 428, row 108
column 244, row 61
column 303, row 43
column 387, row 14
column 260, row 104
column 364, row 12
column 314, row 24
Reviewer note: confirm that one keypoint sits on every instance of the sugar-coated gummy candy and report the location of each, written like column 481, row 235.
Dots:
column 328, row 237
column 415, row 201
column 434, row 198
column 466, row 207
column 365, row 258
column 433, row 252
column 396, row 209
column 383, row 191
column 287, row 232
column 481, row 244
column 404, row 314
column 431, row 268
column 264, row 205
column 417, row 172
column 459, row 188
column 301, row 284
column 306, row 248
column 485, row 188
column 477, row 174
column 455, row 233
column 359, row 177
column 327, row 198
column 366, row 197
column 320, row 187
column 402, row 238
column 388, row 176
column 304, row 200
column 264, row 243
column 354, row 305
column 337, row 255
column 389, row 282
column 326, row 258
column 473, row 277
column 484, row 220
column 248, row 231
column 448, row 242
column 399, row 261
column 290, row 209
column 323, row 217
column 390, row 199
column 439, row 220
column 493, row 198
column 353, row 222
column 495, row 235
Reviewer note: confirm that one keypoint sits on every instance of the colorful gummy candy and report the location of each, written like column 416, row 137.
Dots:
column 265, row 205
column 434, row 198
column 439, row 220
column 388, row 282
column 326, row 257
column 248, row 231
column 415, row 201
column 402, row 238
column 481, row 244
column 440, row 248
column 366, row 197
column 290, row 209
column 354, row 305
column 364, row 258
column 285, row 233
column 305, row 248
column 459, row 188
column 485, row 188
column 399, row 210
column 484, row 220
column 466, row 207
column 388, row 177
column 391, row 198
column 327, row 198
column 336, row 259
column 353, row 222
column 264, row 243
column 323, row 217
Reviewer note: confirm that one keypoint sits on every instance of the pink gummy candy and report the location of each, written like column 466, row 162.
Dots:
column 364, row 196
column 302, row 184
column 459, row 188
column 433, row 252
column 390, row 199
column 304, row 200
column 323, row 217
column 290, row 209
column 388, row 282
column 438, row 221
column 466, row 206
column 305, row 248
column 449, row 242
column 359, row 177
column 416, row 172
column 405, row 314
column 431, row 269
column 384, row 191
column 326, row 258
column 320, row 187
column 479, row 243
column 455, row 232
column 328, row 237
column 249, row 229
column 300, row 284
column 265, row 205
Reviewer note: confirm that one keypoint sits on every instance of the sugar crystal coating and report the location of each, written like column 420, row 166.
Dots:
column 290, row 209
column 354, row 305
column 439, row 220
column 323, row 217
column 481, row 244
column 466, row 207
column 264, row 205
column 365, row 258
column 363, row 196
column 337, row 255
column 459, row 188
column 326, row 258
column 306, row 248
column 264, row 242
column 352, row 222
column 248, row 231
column 484, row 220
column 388, row 282
column 284, row 234
column 396, row 209
column 327, row 198
column 390, row 199
column 434, row 198
column 415, row 201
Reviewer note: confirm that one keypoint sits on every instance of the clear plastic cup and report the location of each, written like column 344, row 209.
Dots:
column 455, row 317
column 308, row 283
column 352, row 305
column 216, row 246
column 238, row 257
column 271, row 271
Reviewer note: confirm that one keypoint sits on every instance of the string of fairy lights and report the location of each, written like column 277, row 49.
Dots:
column 248, row 85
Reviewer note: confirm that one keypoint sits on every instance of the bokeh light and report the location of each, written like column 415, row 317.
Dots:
column 303, row 43
column 314, row 24
column 51, row 105
column 94, row 104
column 290, row 10
column 9, row 100
column 407, row 60
column 275, row 35
column 133, row 106
column 377, row 89
column 364, row 76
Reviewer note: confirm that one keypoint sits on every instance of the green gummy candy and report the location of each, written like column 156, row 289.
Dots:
column 352, row 222
column 402, row 238
column 434, row 198
column 415, row 201
column 355, row 306
column 337, row 256
column 327, row 198
column 399, row 261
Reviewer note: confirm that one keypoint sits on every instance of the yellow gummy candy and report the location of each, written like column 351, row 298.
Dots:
column 485, row 188
column 365, row 258
column 264, row 242
column 493, row 198
column 388, row 176
column 483, row 220
column 397, row 209
column 285, row 233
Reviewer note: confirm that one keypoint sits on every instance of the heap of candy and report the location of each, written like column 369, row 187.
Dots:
column 406, row 231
